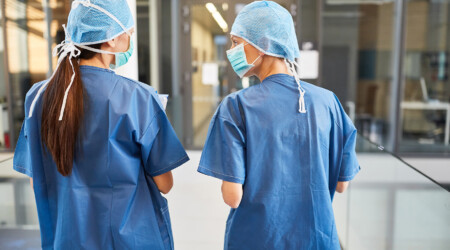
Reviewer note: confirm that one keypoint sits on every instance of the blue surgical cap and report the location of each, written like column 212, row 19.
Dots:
column 269, row 27
column 90, row 22
column 98, row 21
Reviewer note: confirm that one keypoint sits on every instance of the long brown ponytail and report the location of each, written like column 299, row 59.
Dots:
column 60, row 137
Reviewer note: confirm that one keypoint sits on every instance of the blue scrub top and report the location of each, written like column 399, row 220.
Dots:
column 110, row 200
column 289, row 163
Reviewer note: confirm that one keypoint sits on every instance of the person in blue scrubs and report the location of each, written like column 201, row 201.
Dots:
column 282, row 147
column 98, row 146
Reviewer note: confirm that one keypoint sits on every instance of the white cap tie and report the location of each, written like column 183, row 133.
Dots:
column 301, row 101
column 66, row 48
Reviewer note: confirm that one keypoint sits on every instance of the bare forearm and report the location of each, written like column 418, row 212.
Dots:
column 232, row 193
column 341, row 186
column 164, row 182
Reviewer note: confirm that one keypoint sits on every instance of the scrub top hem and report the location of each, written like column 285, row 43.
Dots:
column 23, row 170
column 171, row 166
column 221, row 176
column 350, row 177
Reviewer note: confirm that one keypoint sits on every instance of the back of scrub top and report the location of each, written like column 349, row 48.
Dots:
column 288, row 162
column 110, row 200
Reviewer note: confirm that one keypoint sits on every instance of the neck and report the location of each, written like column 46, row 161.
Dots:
column 271, row 66
column 99, row 60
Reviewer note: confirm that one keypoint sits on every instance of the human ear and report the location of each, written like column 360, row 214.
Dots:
column 112, row 43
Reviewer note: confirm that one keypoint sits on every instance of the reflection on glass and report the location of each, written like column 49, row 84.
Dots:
column 356, row 62
column 426, row 103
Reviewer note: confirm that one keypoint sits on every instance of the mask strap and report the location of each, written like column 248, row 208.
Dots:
column 97, row 50
column 101, row 51
column 255, row 60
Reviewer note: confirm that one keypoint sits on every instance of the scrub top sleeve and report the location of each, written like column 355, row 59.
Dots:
column 160, row 148
column 22, row 156
column 223, row 156
column 349, row 166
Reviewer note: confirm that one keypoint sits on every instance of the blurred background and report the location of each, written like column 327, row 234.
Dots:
column 386, row 60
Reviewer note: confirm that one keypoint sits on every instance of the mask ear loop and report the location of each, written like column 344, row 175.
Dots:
column 301, row 101
column 253, row 63
column 259, row 56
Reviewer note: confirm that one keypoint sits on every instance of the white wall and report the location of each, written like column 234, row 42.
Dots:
column 436, row 168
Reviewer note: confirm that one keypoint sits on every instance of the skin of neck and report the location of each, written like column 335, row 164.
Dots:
column 100, row 60
column 270, row 65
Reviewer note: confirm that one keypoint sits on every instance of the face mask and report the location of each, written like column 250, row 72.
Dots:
column 238, row 60
column 123, row 57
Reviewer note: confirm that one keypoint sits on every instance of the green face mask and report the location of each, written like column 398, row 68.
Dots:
column 123, row 57
column 238, row 60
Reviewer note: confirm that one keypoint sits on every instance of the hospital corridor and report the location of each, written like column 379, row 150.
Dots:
column 235, row 125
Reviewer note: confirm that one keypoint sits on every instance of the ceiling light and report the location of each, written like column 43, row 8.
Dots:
column 217, row 16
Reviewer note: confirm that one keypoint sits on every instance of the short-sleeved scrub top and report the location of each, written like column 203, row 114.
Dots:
column 110, row 200
column 288, row 162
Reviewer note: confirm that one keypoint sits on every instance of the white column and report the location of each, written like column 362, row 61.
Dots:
column 130, row 70
column 154, row 46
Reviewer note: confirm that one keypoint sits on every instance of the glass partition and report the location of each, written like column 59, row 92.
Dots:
column 391, row 205
column 356, row 60
column 426, row 95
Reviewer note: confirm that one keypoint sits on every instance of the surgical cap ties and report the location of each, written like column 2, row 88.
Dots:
column 294, row 68
column 69, row 48
column 64, row 49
